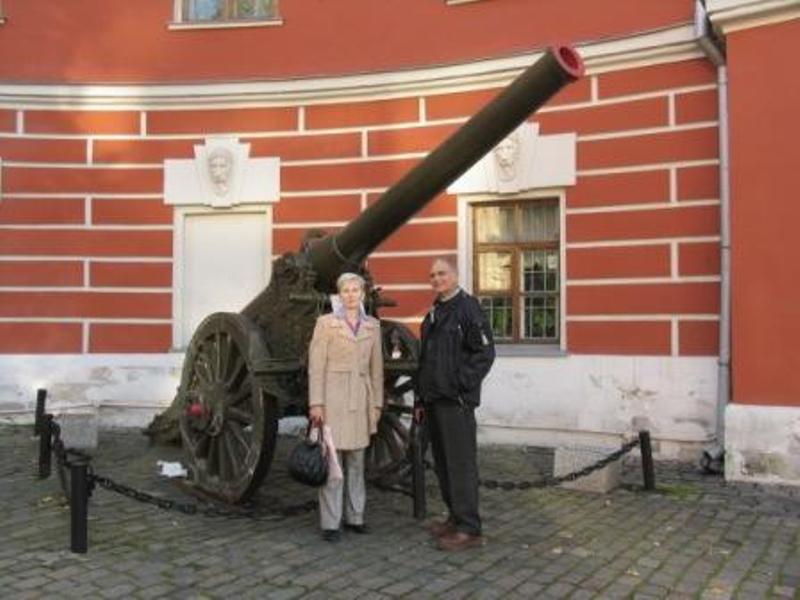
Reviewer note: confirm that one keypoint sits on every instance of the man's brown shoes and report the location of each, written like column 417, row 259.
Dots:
column 440, row 528
column 458, row 540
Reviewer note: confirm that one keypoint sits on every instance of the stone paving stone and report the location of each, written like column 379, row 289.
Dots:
column 31, row 582
column 784, row 591
column 285, row 593
column 156, row 591
column 118, row 591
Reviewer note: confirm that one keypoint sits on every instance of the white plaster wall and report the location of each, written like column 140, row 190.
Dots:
column 122, row 389
column 551, row 401
column 598, row 399
column 762, row 444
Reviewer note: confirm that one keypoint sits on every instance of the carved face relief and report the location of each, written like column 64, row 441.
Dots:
column 506, row 157
column 220, row 169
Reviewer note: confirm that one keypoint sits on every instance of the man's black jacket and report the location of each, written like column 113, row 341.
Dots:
column 457, row 350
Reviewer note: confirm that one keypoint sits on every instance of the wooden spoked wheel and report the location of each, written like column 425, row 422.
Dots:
column 386, row 458
column 228, row 421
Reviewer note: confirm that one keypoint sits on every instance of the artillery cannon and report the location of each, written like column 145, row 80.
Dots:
column 243, row 371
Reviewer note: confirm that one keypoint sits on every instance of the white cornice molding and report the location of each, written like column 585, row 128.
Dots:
column 652, row 47
column 735, row 15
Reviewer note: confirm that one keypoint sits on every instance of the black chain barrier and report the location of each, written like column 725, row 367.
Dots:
column 493, row 484
column 400, row 466
column 83, row 481
column 210, row 510
column 250, row 511
column 66, row 458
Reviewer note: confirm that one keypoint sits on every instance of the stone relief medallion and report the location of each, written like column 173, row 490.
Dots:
column 506, row 157
column 220, row 166
column 221, row 175
column 512, row 163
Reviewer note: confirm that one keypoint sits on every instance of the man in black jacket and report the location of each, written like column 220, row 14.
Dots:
column 456, row 354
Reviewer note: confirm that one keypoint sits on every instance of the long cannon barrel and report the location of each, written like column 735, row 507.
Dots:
column 534, row 87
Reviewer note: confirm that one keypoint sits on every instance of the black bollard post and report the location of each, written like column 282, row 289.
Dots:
column 648, row 470
column 41, row 398
column 418, row 471
column 79, row 505
column 45, row 446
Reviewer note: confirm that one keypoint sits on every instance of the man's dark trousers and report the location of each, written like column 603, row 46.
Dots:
column 452, row 431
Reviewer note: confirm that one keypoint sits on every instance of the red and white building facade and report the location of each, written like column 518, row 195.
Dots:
column 641, row 270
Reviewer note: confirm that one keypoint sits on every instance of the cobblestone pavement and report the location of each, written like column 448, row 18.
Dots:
column 695, row 538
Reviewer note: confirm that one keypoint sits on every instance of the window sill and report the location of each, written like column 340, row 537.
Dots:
column 179, row 26
column 452, row 2
column 529, row 350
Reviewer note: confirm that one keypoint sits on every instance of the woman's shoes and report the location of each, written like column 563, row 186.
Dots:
column 360, row 528
column 335, row 535
column 331, row 535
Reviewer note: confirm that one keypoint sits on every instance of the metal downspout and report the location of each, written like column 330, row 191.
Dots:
column 713, row 455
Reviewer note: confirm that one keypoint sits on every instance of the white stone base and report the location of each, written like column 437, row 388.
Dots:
column 558, row 401
column 549, row 401
column 572, row 458
column 123, row 390
column 762, row 444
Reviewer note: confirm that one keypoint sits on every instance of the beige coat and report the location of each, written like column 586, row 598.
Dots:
column 345, row 376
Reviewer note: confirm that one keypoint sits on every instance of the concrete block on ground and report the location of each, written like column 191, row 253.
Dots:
column 79, row 430
column 574, row 458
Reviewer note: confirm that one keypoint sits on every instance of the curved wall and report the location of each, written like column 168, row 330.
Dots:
column 87, row 41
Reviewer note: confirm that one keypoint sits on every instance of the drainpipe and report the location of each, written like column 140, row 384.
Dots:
column 712, row 459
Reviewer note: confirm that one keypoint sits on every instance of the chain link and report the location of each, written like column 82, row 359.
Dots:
column 211, row 510
column 493, row 484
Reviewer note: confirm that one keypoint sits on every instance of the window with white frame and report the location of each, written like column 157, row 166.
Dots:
column 224, row 11
column 516, row 269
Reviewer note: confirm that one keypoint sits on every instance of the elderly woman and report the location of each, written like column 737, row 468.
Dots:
column 345, row 381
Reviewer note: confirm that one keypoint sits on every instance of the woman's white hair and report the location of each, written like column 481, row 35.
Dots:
column 347, row 278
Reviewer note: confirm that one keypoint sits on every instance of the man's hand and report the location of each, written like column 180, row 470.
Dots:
column 419, row 415
column 376, row 413
column 316, row 414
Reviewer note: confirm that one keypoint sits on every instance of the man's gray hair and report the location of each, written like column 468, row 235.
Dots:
column 347, row 278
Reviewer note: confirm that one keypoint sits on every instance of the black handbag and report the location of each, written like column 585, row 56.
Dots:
column 307, row 461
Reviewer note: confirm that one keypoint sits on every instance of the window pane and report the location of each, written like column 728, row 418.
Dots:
column 540, row 318
column 498, row 312
column 494, row 271
column 203, row 10
column 222, row 10
column 253, row 9
column 551, row 317
column 539, row 222
column 494, row 224
column 540, row 271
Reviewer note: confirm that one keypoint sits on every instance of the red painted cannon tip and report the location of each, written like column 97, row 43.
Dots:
column 569, row 60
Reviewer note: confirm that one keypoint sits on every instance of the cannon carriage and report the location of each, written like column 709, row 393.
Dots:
column 243, row 371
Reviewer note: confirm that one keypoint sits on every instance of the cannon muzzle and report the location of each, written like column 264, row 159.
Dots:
column 346, row 250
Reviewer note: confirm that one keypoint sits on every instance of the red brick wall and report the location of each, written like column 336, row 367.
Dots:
column 94, row 41
column 643, row 219
column 764, row 100
column 86, row 243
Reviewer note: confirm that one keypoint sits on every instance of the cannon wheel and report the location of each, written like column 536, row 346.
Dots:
column 228, row 420
column 386, row 458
